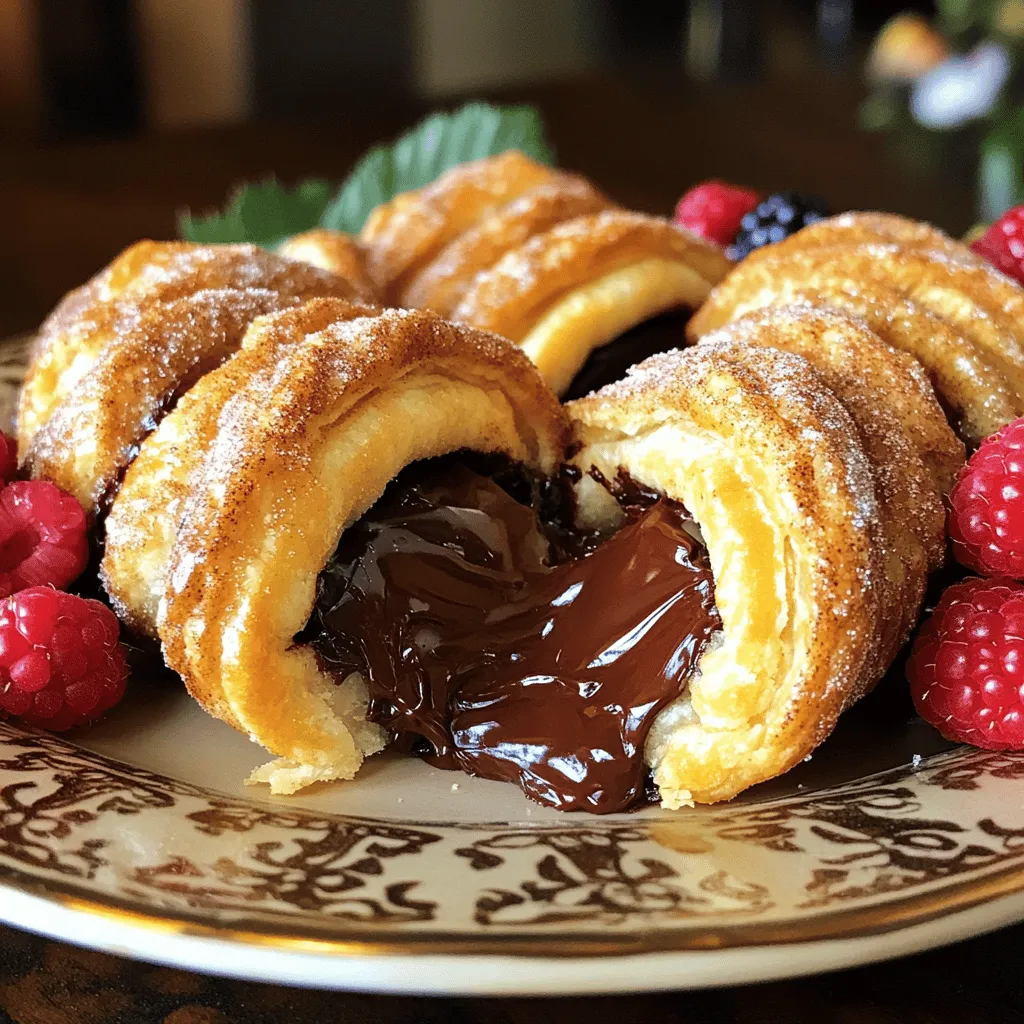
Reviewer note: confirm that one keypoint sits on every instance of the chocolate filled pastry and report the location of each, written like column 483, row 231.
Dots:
column 536, row 255
column 918, row 289
column 329, row 415
column 118, row 353
column 804, row 484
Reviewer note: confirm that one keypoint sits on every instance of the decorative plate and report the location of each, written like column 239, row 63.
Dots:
column 138, row 837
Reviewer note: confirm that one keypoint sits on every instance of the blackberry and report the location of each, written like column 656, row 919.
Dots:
column 775, row 218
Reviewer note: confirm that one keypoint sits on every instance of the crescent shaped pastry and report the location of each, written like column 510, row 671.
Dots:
column 959, row 317
column 977, row 395
column 335, row 251
column 135, row 360
column 586, row 281
column 146, row 273
column 903, row 431
column 140, row 528
column 446, row 279
column 299, row 454
column 404, row 234
column 778, row 475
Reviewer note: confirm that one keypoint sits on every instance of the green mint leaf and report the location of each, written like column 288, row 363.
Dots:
column 264, row 213
column 434, row 146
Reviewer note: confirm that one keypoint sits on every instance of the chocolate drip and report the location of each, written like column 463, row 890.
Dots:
column 492, row 644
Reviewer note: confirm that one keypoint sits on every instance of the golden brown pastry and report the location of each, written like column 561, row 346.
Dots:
column 328, row 417
column 536, row 255
column 141, row 525
column 921, row 291
column 801, row 481
column 118, row 353
column 402, row 236
column 335, row 251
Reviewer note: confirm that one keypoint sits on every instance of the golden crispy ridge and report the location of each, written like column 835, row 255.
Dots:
column 335, row 251
column 977, row 396
column 914, row 455
column 300, row 453
column 769, row 463
column 859, row 226
column 981, row 376
column 157, row 355
column 144, row 276
column 402, row 235
column 526, row 282
column 444, row 281
column 143, row 521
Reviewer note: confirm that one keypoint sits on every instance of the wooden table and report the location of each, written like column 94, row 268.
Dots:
column 69, row 209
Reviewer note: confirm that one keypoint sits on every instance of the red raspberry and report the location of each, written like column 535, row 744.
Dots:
column 60, row 662
column 8, row 457
column 986, row 520
column 713, row 210
column 966, row 670
column 1003, row 244
column 42, row 536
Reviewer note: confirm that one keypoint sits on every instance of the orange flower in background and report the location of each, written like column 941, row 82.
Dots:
column 907, row 47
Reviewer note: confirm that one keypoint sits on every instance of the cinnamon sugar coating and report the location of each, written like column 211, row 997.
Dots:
column 403, row 235
column 771, row 465
column 142, row 523
column 527, row 281
column 335, row 251
column 445, row 280
column 146, row 273
column 299, row 453
column 123, row 352
column 536, row 255
column 918, row 289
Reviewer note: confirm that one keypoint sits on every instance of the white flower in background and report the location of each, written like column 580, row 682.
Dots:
column 961, row 88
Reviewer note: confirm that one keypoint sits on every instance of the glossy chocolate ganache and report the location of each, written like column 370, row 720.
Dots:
column 496, row 641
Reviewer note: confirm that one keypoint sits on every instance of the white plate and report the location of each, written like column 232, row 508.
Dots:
column 137, row 837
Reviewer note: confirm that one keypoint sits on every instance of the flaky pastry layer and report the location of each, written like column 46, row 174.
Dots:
column 918, row 289
column 143, row 521
column 335, row 251
column 536, row 255
column 300, row 452
column 776, row 472
column 121, row 361
column 403, row 235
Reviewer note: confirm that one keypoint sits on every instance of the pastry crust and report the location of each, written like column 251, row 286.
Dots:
column 335, row 251
column 300, row 453
column 147, row 273
column 127, row 358
column 142, row 523
column 403, row 235
column 961, row 318
column 798, row 504
column 914, row 456
column 536, row 255
column 583, row 282
column 444, row 281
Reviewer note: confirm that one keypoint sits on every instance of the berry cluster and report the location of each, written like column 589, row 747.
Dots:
column 966, row 670
column 740, row 220
column 60, row 661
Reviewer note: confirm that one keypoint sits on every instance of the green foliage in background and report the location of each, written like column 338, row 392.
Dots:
column 266, row 213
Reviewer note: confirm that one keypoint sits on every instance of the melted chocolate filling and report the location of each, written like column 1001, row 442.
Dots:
column 496, row 640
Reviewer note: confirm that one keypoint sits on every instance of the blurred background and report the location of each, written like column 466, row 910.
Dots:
column 114, row 114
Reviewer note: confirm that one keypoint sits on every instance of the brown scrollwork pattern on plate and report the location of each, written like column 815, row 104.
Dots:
column 159, row 844
column 596, row 874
